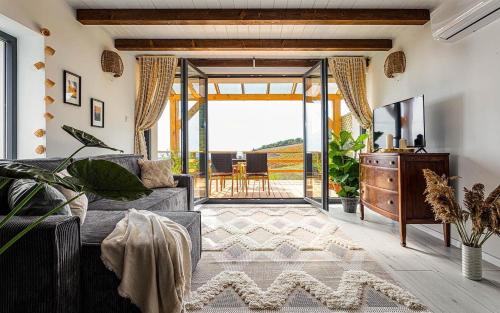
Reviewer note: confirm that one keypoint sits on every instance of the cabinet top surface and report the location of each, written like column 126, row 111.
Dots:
column 402, row 154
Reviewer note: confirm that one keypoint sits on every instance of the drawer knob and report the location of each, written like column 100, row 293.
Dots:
column 389, row 180
column 392, row 162
column 376, row 161
column 369, row 161
column 390, row 202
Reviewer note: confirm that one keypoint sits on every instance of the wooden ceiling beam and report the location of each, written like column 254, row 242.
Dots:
column 253, row 16
column 253, row 44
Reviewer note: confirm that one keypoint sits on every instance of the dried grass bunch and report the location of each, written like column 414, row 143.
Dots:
column 483, row 212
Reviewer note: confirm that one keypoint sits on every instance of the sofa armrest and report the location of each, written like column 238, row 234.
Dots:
column 41, row 271
column 187, row 181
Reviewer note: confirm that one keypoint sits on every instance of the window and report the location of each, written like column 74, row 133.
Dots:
column 8, row 95
column 169, row 129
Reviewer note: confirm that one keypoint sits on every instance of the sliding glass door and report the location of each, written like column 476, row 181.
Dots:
column 194, row 124
column 316, row 135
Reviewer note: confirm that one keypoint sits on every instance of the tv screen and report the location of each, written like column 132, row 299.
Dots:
column 403, row 119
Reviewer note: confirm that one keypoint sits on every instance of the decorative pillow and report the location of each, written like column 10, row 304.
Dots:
column 79, row 205
column 156, row 174
column 44, row 201
column 4, row 197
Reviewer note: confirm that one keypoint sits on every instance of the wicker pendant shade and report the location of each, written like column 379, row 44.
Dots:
column 40, row 149
column 112, row 63
column 45, row 32
column 395, row 64
column 49, row 83
column 39, row 65
column 39, row 133
column 48, row 100
column 49, row 51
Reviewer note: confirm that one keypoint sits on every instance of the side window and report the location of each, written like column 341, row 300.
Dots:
column 8, row 96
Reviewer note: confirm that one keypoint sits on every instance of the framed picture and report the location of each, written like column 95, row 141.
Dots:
column 72, row 93
column 96, row 113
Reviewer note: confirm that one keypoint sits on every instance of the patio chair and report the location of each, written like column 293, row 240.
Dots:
column 221, row 169
column 257, row 169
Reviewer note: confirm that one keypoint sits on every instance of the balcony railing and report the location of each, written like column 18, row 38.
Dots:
column 287, row 165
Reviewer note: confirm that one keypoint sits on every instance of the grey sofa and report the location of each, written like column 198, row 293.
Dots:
column 57, row 267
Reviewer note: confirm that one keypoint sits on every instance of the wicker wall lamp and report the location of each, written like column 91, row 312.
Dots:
column 395, row 64
column 111, row 63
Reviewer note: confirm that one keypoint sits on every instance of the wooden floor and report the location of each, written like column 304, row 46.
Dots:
column 431, row 271
column 280, row 189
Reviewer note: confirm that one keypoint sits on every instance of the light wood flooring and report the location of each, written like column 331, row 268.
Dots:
column 431, row 271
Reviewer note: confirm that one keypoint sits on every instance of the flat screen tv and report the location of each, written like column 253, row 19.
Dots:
column 403, row 119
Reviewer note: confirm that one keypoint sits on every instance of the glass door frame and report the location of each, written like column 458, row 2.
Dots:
column 323, row 65
column 185, row 65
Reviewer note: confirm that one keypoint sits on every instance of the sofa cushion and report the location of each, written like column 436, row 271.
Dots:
column 128, row 161
column 79, row 205
column 98, row 284
column 43, row 202
column 157, row 173
column 99, row 224
column 161, row 199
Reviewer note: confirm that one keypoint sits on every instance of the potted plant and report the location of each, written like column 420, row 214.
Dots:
column 483, row 213
column 101, row 177
column 344, row 167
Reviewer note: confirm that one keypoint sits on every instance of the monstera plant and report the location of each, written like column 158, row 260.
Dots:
column 344, row 167
column 100, row 177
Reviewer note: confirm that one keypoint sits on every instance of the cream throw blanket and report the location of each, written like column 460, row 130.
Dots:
column 152, row 256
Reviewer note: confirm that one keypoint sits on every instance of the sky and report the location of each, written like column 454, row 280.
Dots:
column 247, row 125
column 242, row 125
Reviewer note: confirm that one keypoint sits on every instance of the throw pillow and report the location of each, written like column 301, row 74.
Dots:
column 156, row 174
column 44, row 201
column 78, row 206
column 4, row 197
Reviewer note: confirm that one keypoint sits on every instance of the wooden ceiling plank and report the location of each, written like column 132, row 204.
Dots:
column 253, row 44
column 253, row 16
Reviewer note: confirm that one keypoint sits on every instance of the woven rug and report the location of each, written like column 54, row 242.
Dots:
column 278, row 258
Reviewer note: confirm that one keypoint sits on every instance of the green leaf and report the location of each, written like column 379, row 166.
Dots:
column 14, row 170
column 344, row 137
column 87, row 139
column 108, row 179
column 358, row 146
column 362, row 137
column 343, row 178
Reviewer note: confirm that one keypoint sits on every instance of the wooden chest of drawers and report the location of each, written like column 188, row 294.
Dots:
column 392, row 184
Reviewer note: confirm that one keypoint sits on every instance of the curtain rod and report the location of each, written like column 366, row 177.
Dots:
column 368, row 59
column 153, row 56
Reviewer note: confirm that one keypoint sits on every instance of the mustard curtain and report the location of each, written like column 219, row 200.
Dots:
column 350, row 75
column 156, row 77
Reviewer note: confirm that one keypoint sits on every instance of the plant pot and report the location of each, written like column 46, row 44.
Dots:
column 350, row 204
column 471, row 262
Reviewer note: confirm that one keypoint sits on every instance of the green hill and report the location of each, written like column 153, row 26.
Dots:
column 281, row 143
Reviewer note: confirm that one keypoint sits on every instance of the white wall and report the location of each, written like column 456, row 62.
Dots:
column 30, row 85
column 78, row 49
column 461, row 84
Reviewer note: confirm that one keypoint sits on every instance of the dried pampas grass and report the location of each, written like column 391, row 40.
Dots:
column 484, row 214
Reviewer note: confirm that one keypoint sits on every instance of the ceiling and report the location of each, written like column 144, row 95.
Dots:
column 254, row 4
column 256, row 31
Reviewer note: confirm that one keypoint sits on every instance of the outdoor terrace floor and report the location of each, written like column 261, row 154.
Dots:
column 280, row 189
